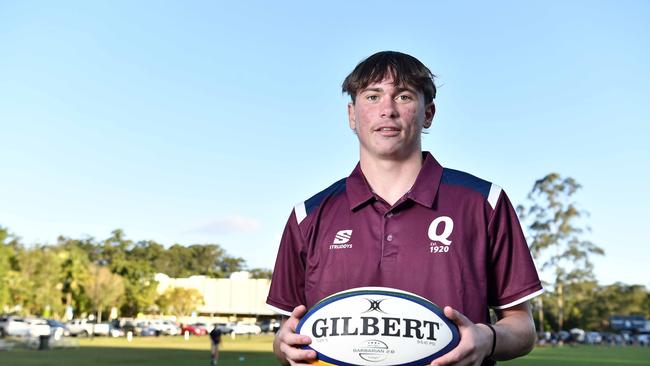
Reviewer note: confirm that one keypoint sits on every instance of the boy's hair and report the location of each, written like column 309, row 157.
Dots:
column 405, row 70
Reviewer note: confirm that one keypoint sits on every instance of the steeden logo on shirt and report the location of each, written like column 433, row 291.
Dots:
column 342, row 240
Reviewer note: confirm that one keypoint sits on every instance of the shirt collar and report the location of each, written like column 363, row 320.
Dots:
column 357, row 188
column 424, row 189
column 426, row 185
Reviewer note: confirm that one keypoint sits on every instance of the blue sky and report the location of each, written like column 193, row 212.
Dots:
column 196, row 122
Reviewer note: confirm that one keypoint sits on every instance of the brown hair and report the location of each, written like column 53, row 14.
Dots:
column 405, row 70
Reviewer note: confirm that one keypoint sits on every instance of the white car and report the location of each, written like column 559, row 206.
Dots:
column 38, row 327
column 20, row 327
column 593, row 338
column 243, row 328
column 165, row 327
column 12, row 326
column 84, row 328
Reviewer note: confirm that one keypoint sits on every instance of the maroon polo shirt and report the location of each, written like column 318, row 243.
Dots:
column 453, row 238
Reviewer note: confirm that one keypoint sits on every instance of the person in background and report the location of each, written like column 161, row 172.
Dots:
column 215, row 338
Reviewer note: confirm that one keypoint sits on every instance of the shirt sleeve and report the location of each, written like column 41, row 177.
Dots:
column 512, row 276
column 288, row 281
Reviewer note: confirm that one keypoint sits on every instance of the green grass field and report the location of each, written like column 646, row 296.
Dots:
column 256, row 351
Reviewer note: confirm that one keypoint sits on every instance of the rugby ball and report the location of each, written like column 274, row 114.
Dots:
column 377, row 326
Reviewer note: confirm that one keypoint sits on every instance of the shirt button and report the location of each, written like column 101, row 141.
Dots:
column 389, row 215
column 389, row 237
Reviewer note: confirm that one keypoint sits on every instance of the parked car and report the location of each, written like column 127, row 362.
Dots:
column 643, row 339
column 146, row 330
column 165, row 327
column 577, row 335
column 224, row 328
column 126, row 325
column 244, row 328
column 85, row 328
column 57, row 329
column 627, row 336
column 612, row 338
column 6, row 322
column 563, row 336
column 593, row 338
column 195, row 329
column 204, row 326
column 12, row 326
column 38, row 327
column 25, row 327
column 269, row 325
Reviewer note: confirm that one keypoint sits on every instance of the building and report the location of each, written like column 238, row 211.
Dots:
column 236, row 297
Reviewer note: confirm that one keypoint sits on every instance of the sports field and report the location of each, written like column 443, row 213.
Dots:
column 256, row 351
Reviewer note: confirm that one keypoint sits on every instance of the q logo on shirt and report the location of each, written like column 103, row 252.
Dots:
column 448, row 227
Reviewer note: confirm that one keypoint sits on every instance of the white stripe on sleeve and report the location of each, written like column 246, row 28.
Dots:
column 278, row 310
column 301, row 212
column 493, row 197
column 519, row 301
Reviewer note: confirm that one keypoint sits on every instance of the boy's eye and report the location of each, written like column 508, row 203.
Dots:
column 372, row 98
column 404, row 97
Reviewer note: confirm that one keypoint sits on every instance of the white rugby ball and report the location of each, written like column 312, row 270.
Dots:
column 377, row 326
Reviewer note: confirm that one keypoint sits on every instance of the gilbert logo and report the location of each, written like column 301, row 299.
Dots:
column 342, row 237
column 342, row 240
column 374, row 306
column 440, row 235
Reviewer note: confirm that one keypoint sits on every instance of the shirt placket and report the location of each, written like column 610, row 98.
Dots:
column 389, row 238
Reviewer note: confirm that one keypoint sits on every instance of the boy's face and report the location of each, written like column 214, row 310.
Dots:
column 389, row 119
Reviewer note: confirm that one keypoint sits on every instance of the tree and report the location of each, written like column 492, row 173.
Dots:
column 591, row 306
column 197, row 259
column 140, row 286
column 229, row 265
column 179, row 301
column 105, row 289
column 622, row 299
column 206, row 259
column 556, row 227
column 49, row 277
column 40, row 269
column 74, row 270
column 646, row 305
column 261, row 273
column 137, row 273
column 7, row 265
